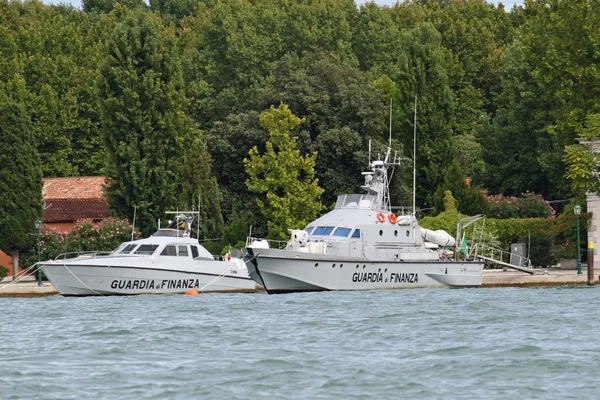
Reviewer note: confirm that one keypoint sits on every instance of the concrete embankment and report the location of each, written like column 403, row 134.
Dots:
column 28, row 286
column 541, row 277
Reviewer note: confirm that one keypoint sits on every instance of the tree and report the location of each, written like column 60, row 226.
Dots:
column 20, row 182
column 200, row 187
column 143, row 120
column 105, row 6
column 283, row 175
column 469, row 199
column 583, row 160
column 342, row 110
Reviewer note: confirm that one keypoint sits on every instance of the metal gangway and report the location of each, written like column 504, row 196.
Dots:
column 501, row 257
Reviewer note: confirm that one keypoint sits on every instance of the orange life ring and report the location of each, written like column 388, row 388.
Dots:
column 381, row 217
column 392, row 218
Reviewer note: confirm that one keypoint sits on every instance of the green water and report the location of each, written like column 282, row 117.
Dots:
column 407, row 344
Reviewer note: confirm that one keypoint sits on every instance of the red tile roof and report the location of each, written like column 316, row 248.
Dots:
column 74, row 198
column 71, row 210
column 79, row 187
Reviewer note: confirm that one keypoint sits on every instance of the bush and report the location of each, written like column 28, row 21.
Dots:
column 51, row 245
column 3, row 272
column 529, row 205
column 103, row 236
column 549, row 239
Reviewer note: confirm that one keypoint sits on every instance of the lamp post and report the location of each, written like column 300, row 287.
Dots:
column 577, row 210
column 38, row 226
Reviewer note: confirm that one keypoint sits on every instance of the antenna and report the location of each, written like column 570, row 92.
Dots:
column 390, row 143
column 415, row 160
column 369, row 154
column 133, row 225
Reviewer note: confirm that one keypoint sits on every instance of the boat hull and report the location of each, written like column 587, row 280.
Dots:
column 282, row 271
column 85, row 279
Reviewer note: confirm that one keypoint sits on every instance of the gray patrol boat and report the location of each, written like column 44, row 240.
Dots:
column 361, row 245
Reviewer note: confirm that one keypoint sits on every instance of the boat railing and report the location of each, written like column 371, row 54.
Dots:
column 75, row 254
column 503, row 256
column 266, row 243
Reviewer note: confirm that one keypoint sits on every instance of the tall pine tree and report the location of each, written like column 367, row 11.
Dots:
column 20, row 182
column 143, row 120
column 199, row 186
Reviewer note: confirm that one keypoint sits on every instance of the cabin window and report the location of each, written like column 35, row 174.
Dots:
column 127, row 249
column 183, row 251
column 309, row 229
column 323, row 230
column 146, row 249
column 194, row 251
column 342, row 232
column 356, row 233
column 169, row 251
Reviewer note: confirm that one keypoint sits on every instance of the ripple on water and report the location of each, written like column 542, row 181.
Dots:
column 431, row 343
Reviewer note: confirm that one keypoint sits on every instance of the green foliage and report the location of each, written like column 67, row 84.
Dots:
column 583, row 163
column 104, row 236
column 420, row 69
column 549, row 239
column 143, row 121
column 3, row 272
column 105, row 6
column 235, row 234
column 20, row 180
column 341, row 109
column 469, row 199
column 84, row 236
column 200, row 187
column 528, row 205
column 506, row 93
column 52, row 243
column 285, row 177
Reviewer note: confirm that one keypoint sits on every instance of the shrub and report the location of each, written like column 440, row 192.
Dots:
column 51, row 245
column 3, row 272
column 103, row 236
column 549, row 239
column 529, row 205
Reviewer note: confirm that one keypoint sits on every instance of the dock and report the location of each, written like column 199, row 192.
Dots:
column 28, row 287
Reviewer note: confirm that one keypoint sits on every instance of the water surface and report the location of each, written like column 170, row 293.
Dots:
column 498, row 343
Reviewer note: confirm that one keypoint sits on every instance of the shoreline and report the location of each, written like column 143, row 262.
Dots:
column 28, row 287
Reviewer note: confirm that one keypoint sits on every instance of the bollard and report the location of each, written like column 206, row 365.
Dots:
column 590, row 262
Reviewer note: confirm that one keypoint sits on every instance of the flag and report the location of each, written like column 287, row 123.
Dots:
column 463, row 246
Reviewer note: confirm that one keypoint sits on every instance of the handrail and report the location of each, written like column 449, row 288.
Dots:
column 499, row 255
column 92, row 254
column 273, row 244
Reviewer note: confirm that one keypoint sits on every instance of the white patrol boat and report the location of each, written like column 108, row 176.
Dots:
column 361, row 245
column 169, row 261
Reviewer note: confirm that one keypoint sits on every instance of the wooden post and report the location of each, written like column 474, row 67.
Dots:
column 590, row 262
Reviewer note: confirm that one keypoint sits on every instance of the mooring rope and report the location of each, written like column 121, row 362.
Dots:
column 75, row 276
column 21, row 277
column 217, row 278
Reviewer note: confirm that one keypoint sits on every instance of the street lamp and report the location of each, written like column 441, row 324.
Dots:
column 38, row 226
column 577, row 210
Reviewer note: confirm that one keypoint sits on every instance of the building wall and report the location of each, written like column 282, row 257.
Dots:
column 62, row 226
column 6, row 261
